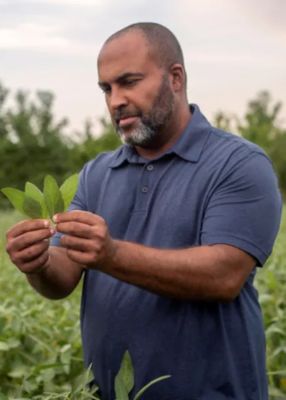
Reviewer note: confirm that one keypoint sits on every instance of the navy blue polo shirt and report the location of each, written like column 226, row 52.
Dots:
column 210, row 187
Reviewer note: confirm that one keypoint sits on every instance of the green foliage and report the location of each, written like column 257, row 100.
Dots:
column 16, row 197
column 89, row 146
column 68, row 189
column 32, row 208
column 3, row 123
column 36, row 204
column 32, row 142
column 53, row 196
column 124, row 380
column 271, row 283
column 260, row 120
column 224, row 121
column 148, row 385
column 40, row 346
column 35, row 193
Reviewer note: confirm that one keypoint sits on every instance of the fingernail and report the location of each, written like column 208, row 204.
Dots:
column 46, row 223
column 55, row 218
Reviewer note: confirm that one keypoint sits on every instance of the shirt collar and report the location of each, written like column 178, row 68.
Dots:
column 191, row 143
column 189, row 146
column 126, row 154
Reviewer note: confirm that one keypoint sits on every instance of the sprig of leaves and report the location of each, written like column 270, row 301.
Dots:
column 124, row 380
column 35, row 203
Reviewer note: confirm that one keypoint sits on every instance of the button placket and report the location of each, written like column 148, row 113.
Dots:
column 145, row 187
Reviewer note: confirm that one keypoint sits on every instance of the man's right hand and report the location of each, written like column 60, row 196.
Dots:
column 28, row 243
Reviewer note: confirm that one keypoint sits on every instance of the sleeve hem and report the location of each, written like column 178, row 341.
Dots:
column 242, row 244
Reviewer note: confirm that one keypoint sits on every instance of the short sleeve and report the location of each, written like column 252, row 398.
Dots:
column 244, row 209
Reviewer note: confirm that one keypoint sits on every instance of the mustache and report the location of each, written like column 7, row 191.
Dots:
column 120, row 114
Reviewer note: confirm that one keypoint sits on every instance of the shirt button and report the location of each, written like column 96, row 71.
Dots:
column 150, row 167
column 144, row 189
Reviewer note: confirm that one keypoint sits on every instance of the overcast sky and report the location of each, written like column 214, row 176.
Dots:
column 233, row 49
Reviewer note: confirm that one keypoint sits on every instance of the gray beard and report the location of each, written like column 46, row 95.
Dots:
column 150, row 125
column 141, row 136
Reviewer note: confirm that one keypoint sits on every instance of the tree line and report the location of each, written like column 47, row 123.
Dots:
column 33, row 143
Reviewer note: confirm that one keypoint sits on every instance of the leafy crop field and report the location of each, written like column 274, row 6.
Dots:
column 271, row 283
column 40, row 348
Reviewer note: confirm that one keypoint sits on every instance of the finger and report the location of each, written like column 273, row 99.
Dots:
column 77, row 229
column 26, row 226
column 80, row 257
column 84, row 217
column 27, row 239
column 35, row 265
column 32, row 252
column 80, row 244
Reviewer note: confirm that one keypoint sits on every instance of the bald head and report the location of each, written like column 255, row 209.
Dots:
column 162, row 43
column 141, row 72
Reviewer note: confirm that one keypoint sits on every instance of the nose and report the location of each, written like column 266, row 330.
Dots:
column 116, row 99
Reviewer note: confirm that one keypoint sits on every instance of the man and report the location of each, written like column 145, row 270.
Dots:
column 168, row 231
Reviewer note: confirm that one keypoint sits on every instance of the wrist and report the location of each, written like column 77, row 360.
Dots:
column 110, row 259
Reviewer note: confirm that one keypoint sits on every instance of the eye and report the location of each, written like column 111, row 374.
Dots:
column 130, row 82
column 106, row 89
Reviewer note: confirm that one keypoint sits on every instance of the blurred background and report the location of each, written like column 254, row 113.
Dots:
column 50, row 104
column 233, row 49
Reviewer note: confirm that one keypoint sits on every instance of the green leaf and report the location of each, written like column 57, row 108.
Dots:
column 32, row 207
column 121, row 392
column 4, row 346
column 59, row 204
column 68, row 189
column 125, row 374
column 53, row 196
column 16, row 198
column 143, row 390
column 33, row 191
column 17, row 372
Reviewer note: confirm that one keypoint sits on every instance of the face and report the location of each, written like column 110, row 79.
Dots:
column 137, row 91
column 149, row 124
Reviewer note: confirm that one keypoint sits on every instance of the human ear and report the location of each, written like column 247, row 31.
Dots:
column 178, row 77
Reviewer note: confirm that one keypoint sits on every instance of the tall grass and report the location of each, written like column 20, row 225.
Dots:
column 40, row 347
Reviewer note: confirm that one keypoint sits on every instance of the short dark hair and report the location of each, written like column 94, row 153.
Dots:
column 163, row 42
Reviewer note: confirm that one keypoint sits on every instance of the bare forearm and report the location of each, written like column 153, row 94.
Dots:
column 58, row 278
column 215, row 272
column 200, row 273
